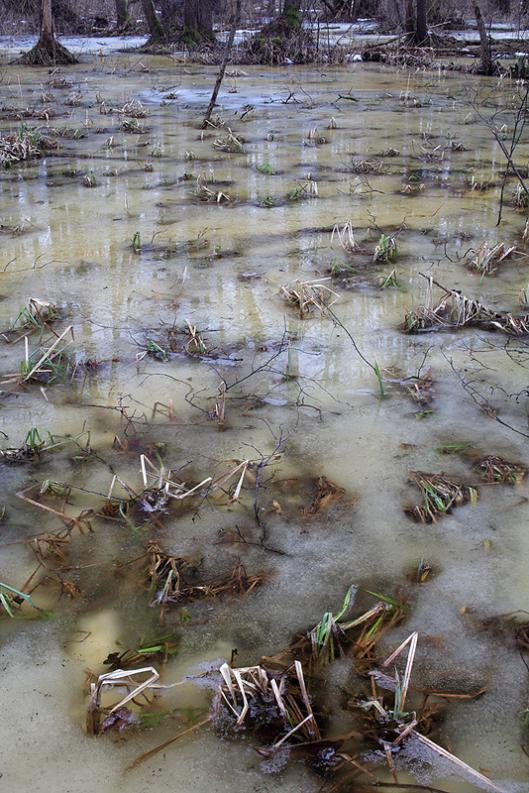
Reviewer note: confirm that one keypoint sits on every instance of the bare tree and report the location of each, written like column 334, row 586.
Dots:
column 171, row 14
column 156, row 31
column 227, row 53
column 487, row 64
column 198, row 20
column 421, row 28
column 416, row 22
column 47, row 51
column 122, row 13
column 409, row 19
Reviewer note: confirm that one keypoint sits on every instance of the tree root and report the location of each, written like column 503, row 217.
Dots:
column 48, row 51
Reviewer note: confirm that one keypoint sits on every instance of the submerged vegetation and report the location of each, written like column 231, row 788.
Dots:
column 440, row 494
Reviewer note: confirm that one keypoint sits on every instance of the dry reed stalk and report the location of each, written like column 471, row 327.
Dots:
column 440, row 495
column 310, row 296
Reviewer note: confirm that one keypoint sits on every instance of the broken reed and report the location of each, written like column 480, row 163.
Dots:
column 421, row 389
column 487, row 258
column 456, row 310
column 334, row 633
column 493, row 468
column 276, row 705
column 171, row 579
column 23, row 145
column 390, row 722
column 309, row 296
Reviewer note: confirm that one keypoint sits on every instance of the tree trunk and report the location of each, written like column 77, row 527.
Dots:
column 291, row 6
column 198, row 21
column 421, row 29
column 47, row 51
column 171, row 13
column 156, row 32
column 292, row 13
column 213, row 101
column 409, row 20
column 487, row 65
column 46, row 28
column 122, row 13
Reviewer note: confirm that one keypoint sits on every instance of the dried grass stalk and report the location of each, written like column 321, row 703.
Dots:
column 440, row 495
column 309, row 296
column 488, row 257
column 493, row 468
column 455, row 310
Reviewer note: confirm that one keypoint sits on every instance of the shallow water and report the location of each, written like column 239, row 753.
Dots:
column 316, row 403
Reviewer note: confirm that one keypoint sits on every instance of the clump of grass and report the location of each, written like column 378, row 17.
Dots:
column 47, row 363
column 412, row 188
column 345, row 235
column 205, row 193
column 480, row 185
column 487, row 258
column 321, row 645
column 216, row 122
column 74, row 99
column 423, row 571
column 89, row 179
column 314, row 138
column 195, row 345
column 453, row 310
column 229, row 143
column 390, row 281
column 276, row 704
column 386, row 249
column 134, row 109
column 421, row 389
column 34, row 445
column 520, row 198
column 340, row 269
column 380, row 379
column 309, row 296
column 23, row 145
column 308, row 189
column 440, row 494
column 493, row 468
column 172, row 579
column 136, row 242
column 133, row 125
column 366, row 166
column 156, row 351
column 265, row 168
column 36, row 315
column 390, row 722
